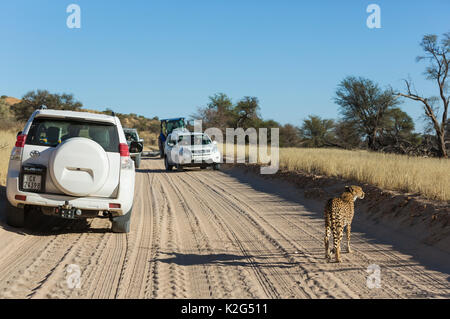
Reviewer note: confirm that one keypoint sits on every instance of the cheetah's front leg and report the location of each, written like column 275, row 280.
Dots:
column 327, row 243
column 349, row 229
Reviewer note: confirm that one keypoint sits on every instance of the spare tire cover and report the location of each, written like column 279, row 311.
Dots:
column 79, row 167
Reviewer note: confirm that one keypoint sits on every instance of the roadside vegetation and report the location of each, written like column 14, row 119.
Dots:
column 428, row 177
column 7, row 141
column 9, row 127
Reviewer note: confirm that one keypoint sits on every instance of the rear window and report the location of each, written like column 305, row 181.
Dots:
column 52, row 132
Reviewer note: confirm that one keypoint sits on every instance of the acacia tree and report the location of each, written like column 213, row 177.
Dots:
column 365, row 104
column 347, row 134
column 246, row 112
column 217, row 113
column 398, row 133
column 35, row 99
column 289, row 136
column 438, row 57
column 317, row 132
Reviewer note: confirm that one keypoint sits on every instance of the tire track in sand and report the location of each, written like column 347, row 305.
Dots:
column 196, row 246
column 276, row 266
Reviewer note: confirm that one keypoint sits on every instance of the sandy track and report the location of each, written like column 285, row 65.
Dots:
column 208, row 234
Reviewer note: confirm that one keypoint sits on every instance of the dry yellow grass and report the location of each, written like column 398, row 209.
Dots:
column 7, row 141
column 150, row 140
column 429, row 177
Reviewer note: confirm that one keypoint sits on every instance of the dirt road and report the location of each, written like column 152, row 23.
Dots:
column 208, row 234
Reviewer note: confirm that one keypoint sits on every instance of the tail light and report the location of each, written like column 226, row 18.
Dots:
column 22, row 198
column 125, row 161
column 20, row 143
column 114, row 206
column 123, row 150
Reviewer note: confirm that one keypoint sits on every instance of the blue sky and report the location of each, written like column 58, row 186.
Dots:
column 164, row 58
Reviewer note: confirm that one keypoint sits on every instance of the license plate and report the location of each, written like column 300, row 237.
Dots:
column 32, row 182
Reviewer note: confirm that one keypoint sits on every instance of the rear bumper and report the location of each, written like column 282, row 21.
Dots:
column 124, row 198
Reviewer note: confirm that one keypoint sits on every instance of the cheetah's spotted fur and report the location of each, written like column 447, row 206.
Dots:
column 339, row 214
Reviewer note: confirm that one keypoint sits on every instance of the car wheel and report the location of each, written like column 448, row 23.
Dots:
column 137, row 161
column 15, row 216
column 203, row 167
column 179, row 167
column 161, row 150
column 167, row 165
column 216, row 167
column 121, row 224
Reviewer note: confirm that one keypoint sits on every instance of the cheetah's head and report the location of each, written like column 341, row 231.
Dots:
column 356, row 191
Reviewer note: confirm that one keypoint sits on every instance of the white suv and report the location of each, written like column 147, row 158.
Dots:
column 186, row 149
column 72, row 165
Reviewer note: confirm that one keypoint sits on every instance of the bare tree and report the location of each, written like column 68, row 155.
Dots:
column 437, row 54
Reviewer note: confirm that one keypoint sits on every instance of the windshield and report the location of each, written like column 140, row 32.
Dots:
column 175, row 124
column 52, row 132
column 194, row 140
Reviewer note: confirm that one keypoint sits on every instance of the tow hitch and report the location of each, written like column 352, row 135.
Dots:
column 68, row 211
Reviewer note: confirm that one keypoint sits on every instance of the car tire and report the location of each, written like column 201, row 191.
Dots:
column 216, row 167
column 179, row 167
column 137, row 161
column 161, row 149
column 203, row 167
column 167, row 165
column 15, row 216
column 121, row 224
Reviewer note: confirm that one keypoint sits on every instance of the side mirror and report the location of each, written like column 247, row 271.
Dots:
column 136, row 147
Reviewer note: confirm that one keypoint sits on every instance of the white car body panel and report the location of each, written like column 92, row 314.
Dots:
column 191, row 154
column 118, row 187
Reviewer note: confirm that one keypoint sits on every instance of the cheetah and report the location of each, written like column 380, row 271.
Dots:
column 339, row 214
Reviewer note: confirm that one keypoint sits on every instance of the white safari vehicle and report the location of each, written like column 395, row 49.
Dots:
column 72, row 165
column 187, row 149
